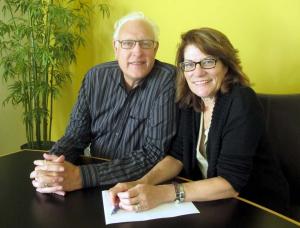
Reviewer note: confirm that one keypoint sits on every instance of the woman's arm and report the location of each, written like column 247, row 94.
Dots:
column 166, row 169
column 146, row 196
column 209, row 189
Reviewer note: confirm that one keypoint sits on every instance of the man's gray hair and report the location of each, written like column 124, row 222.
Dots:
column 131, row 17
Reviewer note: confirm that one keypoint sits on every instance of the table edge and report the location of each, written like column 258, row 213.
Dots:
column 188, row 180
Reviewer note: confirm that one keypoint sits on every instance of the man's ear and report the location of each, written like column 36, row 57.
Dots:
column 114, row 44
column 156, row 47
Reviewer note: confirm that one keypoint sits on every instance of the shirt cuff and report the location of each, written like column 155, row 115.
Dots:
column 89, row 176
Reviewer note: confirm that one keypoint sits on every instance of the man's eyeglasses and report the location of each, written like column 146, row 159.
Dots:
column 144, row 44
column 207, row 63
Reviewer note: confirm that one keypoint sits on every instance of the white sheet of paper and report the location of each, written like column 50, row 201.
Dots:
column 163, row 211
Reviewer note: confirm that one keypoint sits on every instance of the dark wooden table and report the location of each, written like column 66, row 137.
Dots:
column 22, row 206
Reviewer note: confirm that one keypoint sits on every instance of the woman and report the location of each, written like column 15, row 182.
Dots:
column 220, row 137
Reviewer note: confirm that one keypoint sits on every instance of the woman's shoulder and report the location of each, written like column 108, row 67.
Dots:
column 244, row 102
column 243, row 92
column 243, row 95
column 240, row 100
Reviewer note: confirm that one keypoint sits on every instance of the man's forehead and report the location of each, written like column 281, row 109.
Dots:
column 136, row 29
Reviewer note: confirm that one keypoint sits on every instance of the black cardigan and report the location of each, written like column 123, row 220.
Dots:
column 235, row 148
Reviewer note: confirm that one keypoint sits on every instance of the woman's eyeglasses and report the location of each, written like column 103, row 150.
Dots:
column 206, row 63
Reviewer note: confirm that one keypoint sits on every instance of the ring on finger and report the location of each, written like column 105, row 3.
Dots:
column 138, row 207
column 46, row 185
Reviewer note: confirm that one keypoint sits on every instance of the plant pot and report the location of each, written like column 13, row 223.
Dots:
column 38, row 145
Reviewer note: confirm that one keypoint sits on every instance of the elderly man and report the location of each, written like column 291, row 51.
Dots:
column 125, row 111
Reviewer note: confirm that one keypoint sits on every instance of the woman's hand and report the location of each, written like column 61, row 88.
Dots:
column 120, row 187
column 143, row 197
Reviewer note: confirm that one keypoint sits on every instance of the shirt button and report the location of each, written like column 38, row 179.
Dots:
column 117, row 134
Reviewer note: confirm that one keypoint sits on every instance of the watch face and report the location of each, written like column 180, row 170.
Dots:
column 180, row 195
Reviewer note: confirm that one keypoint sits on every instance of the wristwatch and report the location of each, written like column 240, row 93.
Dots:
column 180, row 194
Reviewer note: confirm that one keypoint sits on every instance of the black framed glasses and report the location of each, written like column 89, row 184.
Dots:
column 144, row 44
column 207, row 63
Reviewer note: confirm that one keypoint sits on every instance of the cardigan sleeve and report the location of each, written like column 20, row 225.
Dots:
column 183, row 147
column 176, row 149
column 243, row 129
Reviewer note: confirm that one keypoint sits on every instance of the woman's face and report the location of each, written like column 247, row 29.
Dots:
column 205, row 83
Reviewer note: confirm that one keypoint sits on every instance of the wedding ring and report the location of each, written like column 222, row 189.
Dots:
column 46, row 185
column 138, row 207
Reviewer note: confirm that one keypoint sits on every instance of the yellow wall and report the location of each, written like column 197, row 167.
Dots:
column 266, row 32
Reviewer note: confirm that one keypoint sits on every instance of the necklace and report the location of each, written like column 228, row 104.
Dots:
column 207, row 114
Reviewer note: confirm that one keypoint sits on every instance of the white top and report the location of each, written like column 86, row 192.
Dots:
column 201, row 148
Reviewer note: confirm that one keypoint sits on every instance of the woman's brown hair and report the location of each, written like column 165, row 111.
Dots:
column 211, row 42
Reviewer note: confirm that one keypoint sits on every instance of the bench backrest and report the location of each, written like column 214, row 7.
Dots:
column 282, row 114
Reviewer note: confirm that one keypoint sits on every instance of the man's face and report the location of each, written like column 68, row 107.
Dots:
column 136, row 63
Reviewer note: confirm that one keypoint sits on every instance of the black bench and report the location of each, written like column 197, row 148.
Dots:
column 282, row 114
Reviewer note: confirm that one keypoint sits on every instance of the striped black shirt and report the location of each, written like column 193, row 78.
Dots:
column 133, row 128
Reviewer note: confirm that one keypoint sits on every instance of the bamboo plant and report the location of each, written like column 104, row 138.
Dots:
column 38, row 42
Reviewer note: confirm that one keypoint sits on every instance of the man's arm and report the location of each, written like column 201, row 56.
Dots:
column 77, row 135
column 58, row 175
